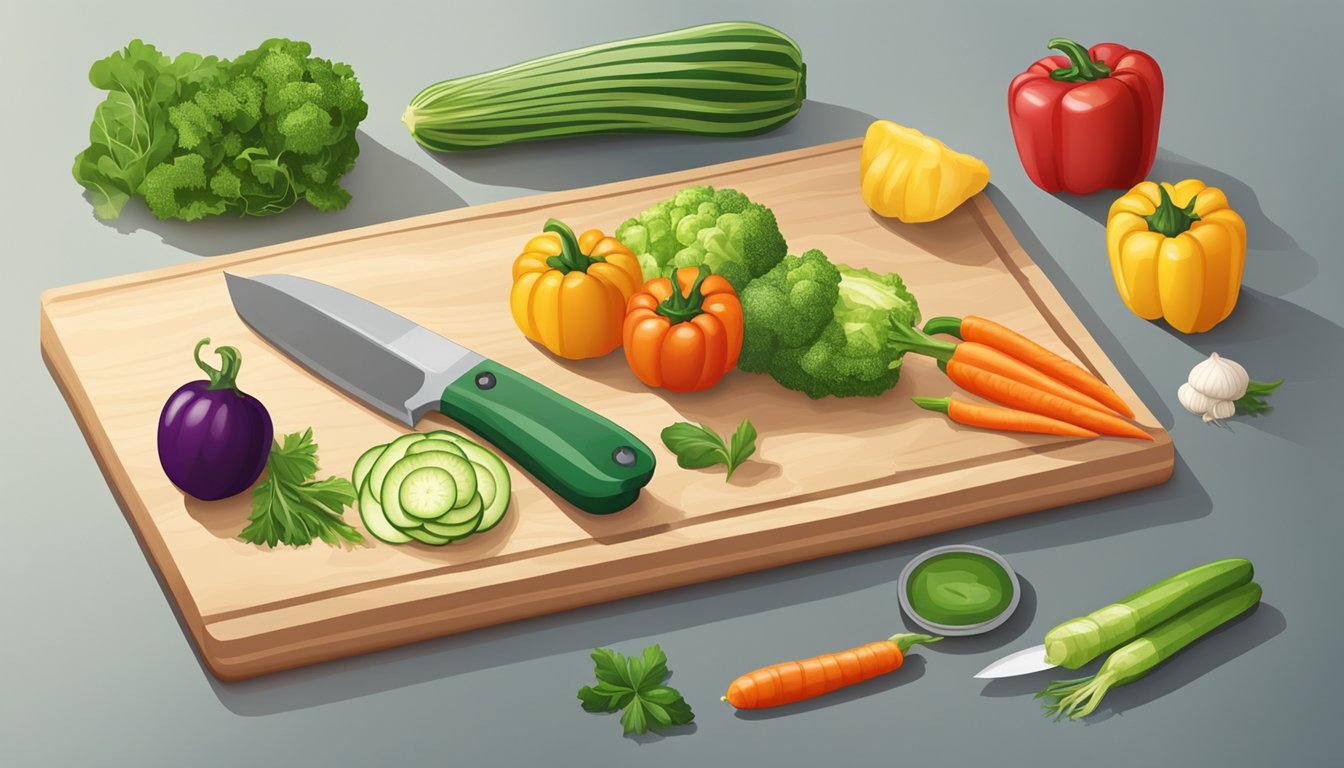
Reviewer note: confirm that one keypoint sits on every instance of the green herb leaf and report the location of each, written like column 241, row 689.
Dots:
column 741, row 446
column 635, row 685
column 633, row 719
column 290, row 507
column 697, row 447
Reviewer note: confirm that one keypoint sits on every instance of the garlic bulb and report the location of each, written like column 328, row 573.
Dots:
column 1195, row 401
column 1221, row 409
column 1219, row 378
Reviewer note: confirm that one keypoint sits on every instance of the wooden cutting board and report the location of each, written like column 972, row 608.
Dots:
column 829, row 475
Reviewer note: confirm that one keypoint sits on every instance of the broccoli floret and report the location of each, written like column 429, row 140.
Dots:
column 721, row 229
column 824, row 329
column 787, row 308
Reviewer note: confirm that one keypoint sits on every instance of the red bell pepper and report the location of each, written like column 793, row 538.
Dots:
column 1087, row 120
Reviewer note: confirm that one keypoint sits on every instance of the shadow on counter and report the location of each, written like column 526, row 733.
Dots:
column 578, row 631
column 384, row 186
column 1129, row 370
column 1274, row 261
column 588, row 160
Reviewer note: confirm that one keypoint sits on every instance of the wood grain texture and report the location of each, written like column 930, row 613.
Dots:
column 829, row 475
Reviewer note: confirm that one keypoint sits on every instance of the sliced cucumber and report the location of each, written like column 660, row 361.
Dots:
column 463, row 483
column 394, row 452
column 427, row 492
column 364, row 463
column 458, row 515
column 455, row 531
column 485, row 484
column 432, row 443
column 425, row 537
column 376, row 522
column 485, row 459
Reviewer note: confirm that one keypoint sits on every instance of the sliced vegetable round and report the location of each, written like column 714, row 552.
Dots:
column 496, row 507
column 432, row 443
column 427, row 492
column 365, row 463
column 461, row 484
column 375, row 520
column 434, row 488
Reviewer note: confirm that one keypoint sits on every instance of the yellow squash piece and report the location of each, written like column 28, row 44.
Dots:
column 1177, row 252
column 569, row 292
column 913, row 177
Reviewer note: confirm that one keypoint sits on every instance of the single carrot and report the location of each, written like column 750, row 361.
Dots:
column 995, row 361
column 1015, row 394
column 1014, row 344
column 792, row 681
column 1003, row 419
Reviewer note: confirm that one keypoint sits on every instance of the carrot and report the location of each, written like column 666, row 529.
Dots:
column 1015, row 394
column 792, row 681
column 993, row 360
column 1014, row 344
column 1004, row 419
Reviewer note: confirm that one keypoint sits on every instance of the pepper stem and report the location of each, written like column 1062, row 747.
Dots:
column 905, row 641
column 571, row 258
column 1170, row 220
column 907, row 338
column 226, row 376
column 679, row 308
column 1081, row 69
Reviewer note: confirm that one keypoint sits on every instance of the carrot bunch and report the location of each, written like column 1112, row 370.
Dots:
column 1040, row 391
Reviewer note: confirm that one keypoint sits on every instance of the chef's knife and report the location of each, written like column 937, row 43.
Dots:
column 1024, row 662
column 406, row 371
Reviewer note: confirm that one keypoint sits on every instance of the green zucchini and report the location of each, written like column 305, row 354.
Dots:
column 724, row 79
column 1078, row 641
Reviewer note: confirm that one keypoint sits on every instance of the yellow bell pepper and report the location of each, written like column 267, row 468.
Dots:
column 913, row 177
column 1177, row 252
column 569, row 292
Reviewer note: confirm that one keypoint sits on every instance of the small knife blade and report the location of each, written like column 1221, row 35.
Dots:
column 1023, row 662
column 405, row 371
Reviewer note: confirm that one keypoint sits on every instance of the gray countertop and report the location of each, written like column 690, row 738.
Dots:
column 99, row 672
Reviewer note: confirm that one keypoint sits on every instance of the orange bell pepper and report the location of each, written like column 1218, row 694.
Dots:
column 683, row 340
column 569, row 292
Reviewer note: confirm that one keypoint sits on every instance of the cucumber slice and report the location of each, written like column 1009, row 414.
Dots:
column 463, row 482
column 456, row 531
column 458, row 515
column 425, row 537
column 483, row 458
column 427, row 492
column 375, row 521
column 485, row 484
column 364, row 463
column 435, row 444
column 394, row 452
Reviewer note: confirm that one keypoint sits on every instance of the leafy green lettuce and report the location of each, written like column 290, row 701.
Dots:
column 199, row 136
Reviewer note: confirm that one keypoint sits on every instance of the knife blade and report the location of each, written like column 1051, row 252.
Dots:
column 1023, row 662
column 405, row 371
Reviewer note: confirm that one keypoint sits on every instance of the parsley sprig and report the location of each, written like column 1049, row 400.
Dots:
column 635, row 685
column 290, row 507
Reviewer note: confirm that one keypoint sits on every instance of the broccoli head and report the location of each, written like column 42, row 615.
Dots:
column 721, row 229
column 824, row 329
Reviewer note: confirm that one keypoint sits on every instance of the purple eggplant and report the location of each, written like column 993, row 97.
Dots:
column 213, row 438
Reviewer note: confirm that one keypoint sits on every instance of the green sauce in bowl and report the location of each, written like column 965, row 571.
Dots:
column 959, row 588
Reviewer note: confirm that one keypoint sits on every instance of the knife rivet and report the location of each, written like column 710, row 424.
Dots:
column 485, row 380
column 625, row 456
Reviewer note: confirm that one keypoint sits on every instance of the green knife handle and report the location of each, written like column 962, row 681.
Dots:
column 591, row 462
